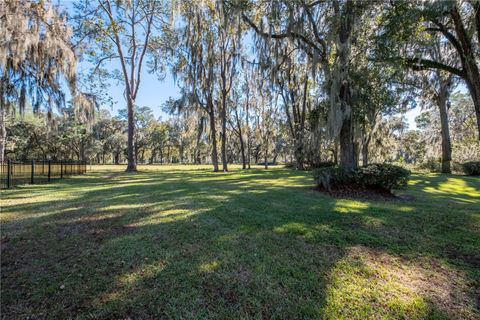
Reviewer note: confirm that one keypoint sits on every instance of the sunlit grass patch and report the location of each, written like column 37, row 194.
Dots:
column 379, row 285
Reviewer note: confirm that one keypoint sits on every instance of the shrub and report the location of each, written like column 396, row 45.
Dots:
column 328, row 177
column 471, row 168
column 383, row 176
column 375, row 176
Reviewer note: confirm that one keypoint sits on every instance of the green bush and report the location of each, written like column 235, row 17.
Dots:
column 382, row 176
column 471, row 168
column 333, row 176
column 372, row 176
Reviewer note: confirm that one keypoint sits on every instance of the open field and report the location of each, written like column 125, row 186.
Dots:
column 184, row 242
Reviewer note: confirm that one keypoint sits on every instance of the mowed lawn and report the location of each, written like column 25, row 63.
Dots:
column 182, row 242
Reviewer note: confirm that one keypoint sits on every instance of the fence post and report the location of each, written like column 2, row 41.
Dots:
column 32, row 178
column 61, row 169
column 49, row 169
column 9, row 178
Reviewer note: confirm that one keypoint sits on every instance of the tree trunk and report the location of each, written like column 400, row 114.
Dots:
column 196, row 155
column 365, row 153
column 132, row 163
column 224, row 133
column 298, row 152
column 347, row 147
column 446, row 144
column 340, row 90
column 213, row 136
column 152, row 157
column 240, row 137
column 469, row 61
column 3, row 133
column 242, row 150
column 248, row 140
column 266, row 152
column 473, row 86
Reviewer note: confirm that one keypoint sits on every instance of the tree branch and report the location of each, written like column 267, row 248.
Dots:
column 282, row 35
column 418, row 64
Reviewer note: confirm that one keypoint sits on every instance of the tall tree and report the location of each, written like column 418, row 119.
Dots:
column 122, row 31
column 324, row 30
column 229, row 33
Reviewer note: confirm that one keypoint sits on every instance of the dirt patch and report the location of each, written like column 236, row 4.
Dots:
column 359, row 193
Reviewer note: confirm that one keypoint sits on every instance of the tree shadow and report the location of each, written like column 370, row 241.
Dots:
column 202, row 245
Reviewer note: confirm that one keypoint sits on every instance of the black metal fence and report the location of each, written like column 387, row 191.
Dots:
column 14, row 173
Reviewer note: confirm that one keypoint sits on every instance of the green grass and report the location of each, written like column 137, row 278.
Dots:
column 184, row 242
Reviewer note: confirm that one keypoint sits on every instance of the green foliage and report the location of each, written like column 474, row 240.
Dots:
column 383, row 176
column 471, row 168
column 376, row 176
column 332, row 176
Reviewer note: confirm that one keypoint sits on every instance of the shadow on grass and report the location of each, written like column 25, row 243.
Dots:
column 245, row 244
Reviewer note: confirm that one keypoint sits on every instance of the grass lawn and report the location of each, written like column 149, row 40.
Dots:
column 184, row 242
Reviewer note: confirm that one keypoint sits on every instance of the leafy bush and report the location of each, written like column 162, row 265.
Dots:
column 328, row 177
column 383, row 176
column 374, row 176
column 471, row 168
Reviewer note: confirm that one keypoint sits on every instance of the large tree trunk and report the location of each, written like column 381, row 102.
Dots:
column 298, row 152
column 340, row 95
column 347, row 147
column 468, row 60
column 473, row 85
column 442, row 98
column 132, row 163
column 213, row 136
